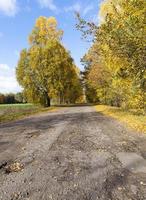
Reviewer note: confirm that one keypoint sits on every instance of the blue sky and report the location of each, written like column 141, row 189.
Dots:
column 17, row 18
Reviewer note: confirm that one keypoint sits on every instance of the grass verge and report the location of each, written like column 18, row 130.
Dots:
column 10, row 112
column 136, row 122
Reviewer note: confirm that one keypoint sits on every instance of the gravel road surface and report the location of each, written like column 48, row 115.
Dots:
column 73, row 153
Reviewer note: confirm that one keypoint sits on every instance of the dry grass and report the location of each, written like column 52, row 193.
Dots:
column 14, row 167
column 136, row 122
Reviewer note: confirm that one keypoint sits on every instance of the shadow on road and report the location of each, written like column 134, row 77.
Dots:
column 44, row 122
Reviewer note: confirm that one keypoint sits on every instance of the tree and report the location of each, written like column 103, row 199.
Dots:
column 119, row 47
column 45, row 30
column 90, row 90
column 2, row 98
column 19, row 97
column 122, row 42
column 46, row 70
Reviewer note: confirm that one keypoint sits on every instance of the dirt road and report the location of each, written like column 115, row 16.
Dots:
column 72, row 154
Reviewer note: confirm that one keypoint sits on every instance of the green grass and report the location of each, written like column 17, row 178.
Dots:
column 133, row 121
column 10, row 112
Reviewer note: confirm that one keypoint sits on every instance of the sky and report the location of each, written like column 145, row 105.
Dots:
column 17, row 18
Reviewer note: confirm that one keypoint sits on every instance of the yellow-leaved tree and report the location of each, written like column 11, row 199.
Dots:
column 46, row 70
column 118, row 51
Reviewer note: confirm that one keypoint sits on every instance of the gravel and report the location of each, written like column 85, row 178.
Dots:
column 73, row 153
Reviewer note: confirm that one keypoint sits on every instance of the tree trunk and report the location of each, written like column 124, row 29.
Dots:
column 47, row 100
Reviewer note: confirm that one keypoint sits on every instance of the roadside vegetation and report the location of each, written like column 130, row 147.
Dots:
column 132, row 120
column 10, row 112
column 115, row 70
column 46, row 69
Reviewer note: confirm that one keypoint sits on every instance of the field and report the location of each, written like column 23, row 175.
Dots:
column 9, row 112
column 137, row 122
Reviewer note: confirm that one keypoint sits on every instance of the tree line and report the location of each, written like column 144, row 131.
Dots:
column 115, row 68
column 12, row 98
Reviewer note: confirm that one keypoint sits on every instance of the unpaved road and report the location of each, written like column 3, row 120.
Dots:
column 72, row 154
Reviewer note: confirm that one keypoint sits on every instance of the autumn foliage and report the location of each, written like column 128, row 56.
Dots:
column 46, row 70
column 115, row 69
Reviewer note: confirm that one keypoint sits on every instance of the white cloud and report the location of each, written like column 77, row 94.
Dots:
column 4, row 67
column 77, row 7
column 87, row 9
column 74, row 8
column 8, row 7
column 8, row 82
column 48, row 4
